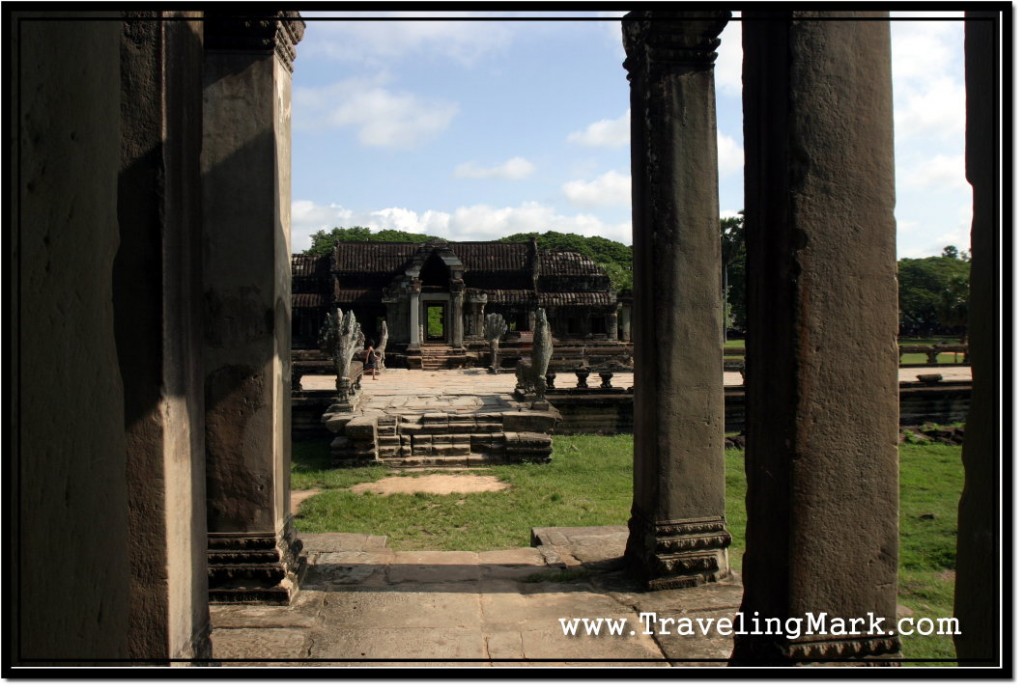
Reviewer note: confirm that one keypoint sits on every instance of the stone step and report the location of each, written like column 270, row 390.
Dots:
column 440, row 449
column 470, row 460
column 274, row 595
column 245, row 575
column 266, row 556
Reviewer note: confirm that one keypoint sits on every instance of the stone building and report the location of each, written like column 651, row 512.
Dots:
column 439, row 293
column 150, row 384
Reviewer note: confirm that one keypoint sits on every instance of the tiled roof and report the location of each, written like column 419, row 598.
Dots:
column 352, row 295
column 589, row 299
column 305, row 266
column 511, row 297
column 373, row 257
column 566, row 263
column 309, row 300
column 493, row 256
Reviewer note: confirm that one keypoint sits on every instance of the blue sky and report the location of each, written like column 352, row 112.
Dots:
column 479, row 129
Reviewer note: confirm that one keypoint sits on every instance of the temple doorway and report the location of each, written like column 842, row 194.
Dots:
column 435, row 329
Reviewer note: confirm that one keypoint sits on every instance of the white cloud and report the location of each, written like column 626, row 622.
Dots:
column 934, row 109
column 928, row 79
column 376, row 43
column 615, row 28
column 730, row 155
column 516, row 168
column 381, row 117
column 476, row 222
column 729, row 63
column 922, row 49
column 604, row 133
column 486, row 222
column 610, row 189
column 941, row 171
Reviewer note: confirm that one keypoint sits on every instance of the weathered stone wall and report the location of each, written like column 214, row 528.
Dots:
column 157, row 302
column 246, row 184
column 72, row 572
column 242, row 292
column 822, row 364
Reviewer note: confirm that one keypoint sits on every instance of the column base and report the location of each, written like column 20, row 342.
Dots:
column 857, row 651
column 254, row 568
column 680, row 553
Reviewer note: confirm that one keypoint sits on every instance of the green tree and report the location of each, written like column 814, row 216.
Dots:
column 934, row 294
column 614, row 257
column 734, row 271
column 324, row 241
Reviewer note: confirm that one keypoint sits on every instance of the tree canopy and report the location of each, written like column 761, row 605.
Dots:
column 934, row 293
column 324, row 241
column 734, row 271
column 614, row 257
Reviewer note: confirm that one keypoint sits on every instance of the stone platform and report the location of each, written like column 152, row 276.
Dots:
column 412, row 418
column 363, row 604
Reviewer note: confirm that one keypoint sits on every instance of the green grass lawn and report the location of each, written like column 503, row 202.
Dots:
column 922, row 359
column 589, row 482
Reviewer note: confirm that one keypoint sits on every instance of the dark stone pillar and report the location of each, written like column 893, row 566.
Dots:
column 157, row 303
column 414, row 314
column 677, row 533
column 627, row 323
column 611, row 325
column 976, row 567
column 247, row 284
column 822, row 359
column 458, row 298
column 70, row 561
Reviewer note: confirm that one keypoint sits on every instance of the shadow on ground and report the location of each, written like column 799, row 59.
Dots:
column 362, row 603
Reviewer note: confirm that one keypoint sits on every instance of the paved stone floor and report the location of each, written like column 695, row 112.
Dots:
column 363, row 604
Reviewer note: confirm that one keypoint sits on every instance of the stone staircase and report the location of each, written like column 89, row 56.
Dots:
column 436, row 357
column 443, row 439
column 462, row 439
column 252, row 569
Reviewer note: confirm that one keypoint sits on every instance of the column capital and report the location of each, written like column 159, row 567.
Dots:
column 277, row 32
column 659, row 40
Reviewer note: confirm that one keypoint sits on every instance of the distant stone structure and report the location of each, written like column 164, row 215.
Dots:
column 434, row 295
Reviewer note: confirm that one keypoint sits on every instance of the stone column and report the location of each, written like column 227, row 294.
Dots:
column 611, row 324
column 68, row 494
column 158, row 300
column 822, row 359
column 414, row 314
column 627, row 323
column 976, row 603
column 677, row 534
column 246, row 162
column 458, row 296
